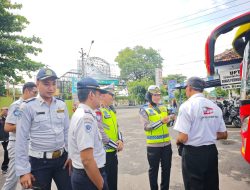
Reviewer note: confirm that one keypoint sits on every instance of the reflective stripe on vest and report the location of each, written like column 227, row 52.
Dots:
column 110, row 122
column 160, row 134
column 158, row 137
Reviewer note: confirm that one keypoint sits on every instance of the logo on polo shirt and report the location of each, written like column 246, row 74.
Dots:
column 207, row 110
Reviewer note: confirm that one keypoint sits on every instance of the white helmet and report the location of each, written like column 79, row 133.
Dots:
column 154, row 89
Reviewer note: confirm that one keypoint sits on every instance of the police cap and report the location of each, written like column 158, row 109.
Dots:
column 46, row 73
column 88, row 83
column 108, row 89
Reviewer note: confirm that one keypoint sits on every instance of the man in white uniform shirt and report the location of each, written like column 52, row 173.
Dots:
column 45, row 121
column 29, row 91
column 85, row 144
column 200, row 124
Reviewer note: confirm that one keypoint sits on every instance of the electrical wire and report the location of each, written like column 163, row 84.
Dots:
column 195, row 24
column 181, row 22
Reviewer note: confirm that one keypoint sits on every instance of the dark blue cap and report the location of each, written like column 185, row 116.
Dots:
column 196, row 83
column 46, row 73
column 88, row 83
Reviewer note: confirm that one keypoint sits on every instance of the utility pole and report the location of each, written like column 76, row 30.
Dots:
column 83, row 54
column 83, row 64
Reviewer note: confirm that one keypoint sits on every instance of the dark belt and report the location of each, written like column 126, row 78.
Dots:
column 201, row 148
column 83, row 171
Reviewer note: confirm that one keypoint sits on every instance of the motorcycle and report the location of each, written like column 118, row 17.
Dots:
column 230, row 113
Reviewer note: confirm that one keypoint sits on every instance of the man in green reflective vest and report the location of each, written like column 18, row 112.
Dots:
column 111, row 136
column 154, row 117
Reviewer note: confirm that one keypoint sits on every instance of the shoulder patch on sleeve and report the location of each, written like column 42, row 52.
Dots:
column 98, row 115
column 88, row 127
column 17, row 112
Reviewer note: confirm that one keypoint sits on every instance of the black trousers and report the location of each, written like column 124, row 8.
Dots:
column 5, row 163
column 81, row 181
column 200, row 167
column 157, row 155
column 44, row 170
column 111, row 168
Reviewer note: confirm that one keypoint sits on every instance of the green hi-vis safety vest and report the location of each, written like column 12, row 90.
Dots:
column 160, row 134
column 110, row 125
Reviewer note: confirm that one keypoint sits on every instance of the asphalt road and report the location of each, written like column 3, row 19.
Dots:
column 233, row 170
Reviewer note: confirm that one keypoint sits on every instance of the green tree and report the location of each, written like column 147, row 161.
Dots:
column 137, row 89
column 219, row 92
column 15, row 48
column 138, row 62
column 178, row 77
column 2, row 89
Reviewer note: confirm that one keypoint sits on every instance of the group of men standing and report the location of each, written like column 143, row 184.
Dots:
column 43, row 148
column 82, row 154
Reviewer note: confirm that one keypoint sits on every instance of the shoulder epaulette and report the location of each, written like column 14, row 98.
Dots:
column 29, row 100
column 60, row 99
column 89, row 112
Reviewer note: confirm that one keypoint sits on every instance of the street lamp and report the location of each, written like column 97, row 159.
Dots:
column 90, row 47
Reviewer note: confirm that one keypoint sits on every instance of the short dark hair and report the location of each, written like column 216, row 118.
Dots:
column 196, row 83
column 83, row 94
column 29, row 86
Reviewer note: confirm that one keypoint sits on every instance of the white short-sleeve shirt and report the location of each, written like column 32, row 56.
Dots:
column 13, row 114
column 83, row 134
column 200, row 119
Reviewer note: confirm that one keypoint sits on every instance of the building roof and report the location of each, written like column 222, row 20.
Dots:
column 227, row 57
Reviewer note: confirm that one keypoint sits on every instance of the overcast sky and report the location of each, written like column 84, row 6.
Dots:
column 178, row 29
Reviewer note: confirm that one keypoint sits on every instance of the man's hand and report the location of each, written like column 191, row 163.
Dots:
column 181, row 138
column 119, row 145
column 165, row 119
column 68, row 163
column 221, row 135
column 26, row 180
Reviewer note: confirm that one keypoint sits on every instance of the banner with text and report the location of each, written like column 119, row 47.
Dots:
column 230, row 77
